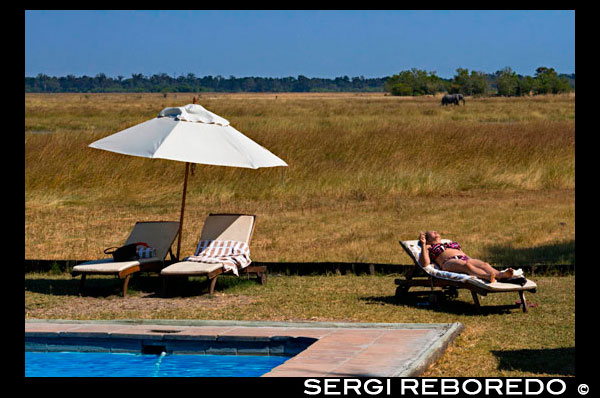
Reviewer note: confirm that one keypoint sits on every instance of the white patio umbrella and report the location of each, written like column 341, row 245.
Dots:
column 189, row 134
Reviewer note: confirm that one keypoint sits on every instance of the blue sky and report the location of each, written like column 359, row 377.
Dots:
column 291, row 43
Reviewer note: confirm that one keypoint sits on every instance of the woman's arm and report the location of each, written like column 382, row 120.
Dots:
column 424, row 259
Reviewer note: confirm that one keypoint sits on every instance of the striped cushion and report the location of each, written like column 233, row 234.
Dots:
column 233, row 254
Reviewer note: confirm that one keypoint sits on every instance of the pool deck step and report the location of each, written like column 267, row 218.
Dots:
column 320, row 349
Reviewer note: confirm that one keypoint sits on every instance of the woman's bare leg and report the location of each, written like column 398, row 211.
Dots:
column 490, row 270
column 463, row 267
column 483, row 266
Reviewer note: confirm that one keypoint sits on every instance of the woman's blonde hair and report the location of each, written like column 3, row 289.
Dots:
column 428, row 236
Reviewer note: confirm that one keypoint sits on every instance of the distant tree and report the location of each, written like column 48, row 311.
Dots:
column 435, row 84
column 461, row 82
column 400, row 89
column 543, row 80
column 570, row 77
column 248, row 84
column 507, row 82
column 480, row 84
column 476, row 83
column 414, row 82
column 303, row 84
column 547, row 81
column 100, row 81
column 526, row 85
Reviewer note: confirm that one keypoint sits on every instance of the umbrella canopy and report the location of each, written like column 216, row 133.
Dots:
column 189, row 134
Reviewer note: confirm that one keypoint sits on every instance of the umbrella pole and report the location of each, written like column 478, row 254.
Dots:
column 187, row 168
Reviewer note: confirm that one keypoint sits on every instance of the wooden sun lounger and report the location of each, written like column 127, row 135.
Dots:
column 413, row 249
column 157, row 234
column 238, row 227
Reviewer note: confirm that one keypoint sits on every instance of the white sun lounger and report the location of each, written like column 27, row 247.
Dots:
column 453, row 280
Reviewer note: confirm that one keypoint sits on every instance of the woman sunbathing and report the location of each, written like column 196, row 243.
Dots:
column 450, row 257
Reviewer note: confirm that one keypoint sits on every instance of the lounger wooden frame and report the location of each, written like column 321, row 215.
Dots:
column 211, row 277
column 450, row 287
column 144, row 265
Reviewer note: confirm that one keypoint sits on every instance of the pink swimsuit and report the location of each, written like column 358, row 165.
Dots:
column 436, row 249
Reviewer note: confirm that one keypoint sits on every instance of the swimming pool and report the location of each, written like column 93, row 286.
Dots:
column 104, row 364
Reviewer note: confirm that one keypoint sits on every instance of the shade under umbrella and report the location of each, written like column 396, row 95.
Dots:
column 189, row 134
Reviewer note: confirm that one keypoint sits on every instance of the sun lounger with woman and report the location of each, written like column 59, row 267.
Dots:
column 450, row 257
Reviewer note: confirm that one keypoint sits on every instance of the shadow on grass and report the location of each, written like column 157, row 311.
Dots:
column 420, row 299
column 103, row 287
column 559, row 361
column 148, row 286
column 560, row 253
column 197, row 286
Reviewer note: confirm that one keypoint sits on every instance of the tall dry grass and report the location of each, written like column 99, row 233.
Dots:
column 357, row 163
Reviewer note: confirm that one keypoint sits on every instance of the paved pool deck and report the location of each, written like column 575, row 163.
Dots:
column 320, row 349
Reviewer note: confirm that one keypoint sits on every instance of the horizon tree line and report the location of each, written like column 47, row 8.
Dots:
column 411, row 82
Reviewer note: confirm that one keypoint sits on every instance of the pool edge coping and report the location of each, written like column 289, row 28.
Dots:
column 244, row 323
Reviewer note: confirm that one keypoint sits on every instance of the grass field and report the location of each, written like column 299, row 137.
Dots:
column 365, row 170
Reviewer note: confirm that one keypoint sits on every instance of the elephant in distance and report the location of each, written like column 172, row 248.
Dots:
column 453, row 99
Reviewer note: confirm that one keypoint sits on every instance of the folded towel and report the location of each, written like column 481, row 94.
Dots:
column 516, row 272
column 517, row 278
column 234, row 255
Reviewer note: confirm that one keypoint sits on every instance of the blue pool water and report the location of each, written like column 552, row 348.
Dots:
column 100, row 364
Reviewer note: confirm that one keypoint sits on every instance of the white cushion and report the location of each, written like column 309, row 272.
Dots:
column 190, row 268
column 502, row 286
column 109, row 266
